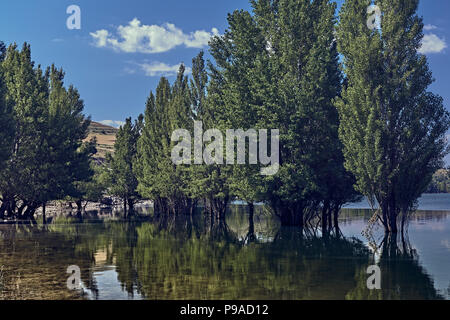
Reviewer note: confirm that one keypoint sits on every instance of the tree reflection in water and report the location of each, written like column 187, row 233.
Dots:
column 402, row 277
column 195, row 257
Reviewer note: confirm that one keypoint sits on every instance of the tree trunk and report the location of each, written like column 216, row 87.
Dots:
column 10, row 207
column 219, row 207
column 125, row 207
column 44, row 219
column 292, row 216
column 3, row 210
column 29, row 213
column 336, row 219
column 393, row 223
column 130, row 207
column 79, row 206
column 325, row 211
column 329, row 216
column 251, row 224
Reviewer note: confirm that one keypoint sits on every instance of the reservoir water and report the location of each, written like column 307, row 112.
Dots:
column 190, row 258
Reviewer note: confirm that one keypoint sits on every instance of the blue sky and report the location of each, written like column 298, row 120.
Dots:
column 115, row 70
column 113, row 83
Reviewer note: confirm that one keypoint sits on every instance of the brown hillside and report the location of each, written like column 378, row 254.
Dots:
column 106, row 137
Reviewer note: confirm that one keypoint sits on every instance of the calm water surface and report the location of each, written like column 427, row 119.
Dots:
column 194, row 259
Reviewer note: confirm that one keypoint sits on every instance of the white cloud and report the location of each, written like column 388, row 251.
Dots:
column 431, row 43
column 100, row 37
column 429, row 27
column 161, row 69
column 136, row 37
column 112, row 123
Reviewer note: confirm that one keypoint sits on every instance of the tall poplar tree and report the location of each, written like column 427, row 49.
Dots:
column 123, row 180
column 230, row 101
column 393, row 129
column 159, row 178
column 27, row 94
column 6, row 116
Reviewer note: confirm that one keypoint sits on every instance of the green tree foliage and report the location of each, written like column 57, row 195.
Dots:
column 440, row 182
column 275, row 69
column 7, row 130
column 278, row 69
column 94, row 185
column 27, row 93
column 159, row 178
column 47, row 155
column 392, row 128
column 122, row 178
column 230, row 103
column 66, row 159
column 211, row 183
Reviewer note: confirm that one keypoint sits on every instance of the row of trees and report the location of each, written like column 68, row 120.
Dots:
column 367, row 122
column 288, row 86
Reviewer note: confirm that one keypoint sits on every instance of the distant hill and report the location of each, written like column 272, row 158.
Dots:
column 106, row 137
column 99, row 128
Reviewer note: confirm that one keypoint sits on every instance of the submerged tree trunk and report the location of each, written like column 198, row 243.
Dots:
column 125, row 207
column 336, row 219
column 390, row 246
column 291, row 216
column 325, row 215
column 330, row 219
column 44, row 218
column 130, row 207
column 20, row 210
column 11, row 207
column 29, row 212
column 218, row 207
column 251, row 224
column 3, row 210
column 389, row 213
column 393, row 224
column 392, row 220
column 194, row 204
column 79, row 206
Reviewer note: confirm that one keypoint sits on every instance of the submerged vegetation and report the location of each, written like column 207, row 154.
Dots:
column 365, row 126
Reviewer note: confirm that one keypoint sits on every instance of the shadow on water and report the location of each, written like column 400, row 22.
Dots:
column 194, row 257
